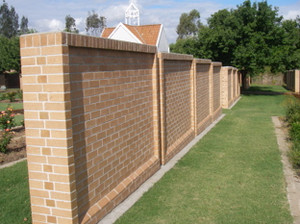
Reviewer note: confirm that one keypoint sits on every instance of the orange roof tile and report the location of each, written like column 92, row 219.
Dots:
column 147, row 34
column 107, row 31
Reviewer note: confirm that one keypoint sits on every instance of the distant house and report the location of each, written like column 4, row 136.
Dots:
column 146, row 34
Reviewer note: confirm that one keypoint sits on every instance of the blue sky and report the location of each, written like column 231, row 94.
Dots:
column 48, row 15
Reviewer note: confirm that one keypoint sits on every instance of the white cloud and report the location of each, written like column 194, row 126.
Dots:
column 43, row 25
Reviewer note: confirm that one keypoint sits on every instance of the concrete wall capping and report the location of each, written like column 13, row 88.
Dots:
column 202, row 61
column 175, row 56
column 102, row 116
column 216, row 63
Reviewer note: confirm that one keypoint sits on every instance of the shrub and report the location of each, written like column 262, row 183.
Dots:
column 11, row 96
column 295, row 131
column 7, row 119
column 5, row 140
column 19, row 94
column 6, row 123
column 293, row 112
column 293, row 118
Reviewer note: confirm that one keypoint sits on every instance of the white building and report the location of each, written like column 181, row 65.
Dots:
column 153, row 34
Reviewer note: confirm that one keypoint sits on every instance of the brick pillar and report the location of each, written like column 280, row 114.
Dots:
column 211, row 99
column 46, row 86
column 297, row 81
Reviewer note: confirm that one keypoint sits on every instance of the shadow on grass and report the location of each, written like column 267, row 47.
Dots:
column 265, row 90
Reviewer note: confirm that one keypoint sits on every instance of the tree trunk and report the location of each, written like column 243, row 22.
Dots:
column 245, row 80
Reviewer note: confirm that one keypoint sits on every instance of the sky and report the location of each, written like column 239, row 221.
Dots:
column 49, row 15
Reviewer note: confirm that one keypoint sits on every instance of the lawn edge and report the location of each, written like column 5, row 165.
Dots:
column 291, row 179
column 12, row 163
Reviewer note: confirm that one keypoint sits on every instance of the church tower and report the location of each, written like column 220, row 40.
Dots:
column 132, row 15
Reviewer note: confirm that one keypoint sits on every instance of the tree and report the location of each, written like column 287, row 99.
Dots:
column 9, row 54
column 9, row 23
column 251, row 37
column 189, row 24
column 24, row 25
column 95, row 24
column 70, row 24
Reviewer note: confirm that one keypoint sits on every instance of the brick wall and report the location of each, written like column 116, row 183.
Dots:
column 176, row 94
column 216, row 90
column 102, row 115
column 203, row 71
column 292, row 80
column 230, row 86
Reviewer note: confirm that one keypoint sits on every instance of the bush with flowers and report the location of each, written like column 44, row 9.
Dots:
column 6, row 123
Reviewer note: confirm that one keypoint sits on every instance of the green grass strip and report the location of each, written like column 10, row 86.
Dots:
column 233, row 175
column 14, row 194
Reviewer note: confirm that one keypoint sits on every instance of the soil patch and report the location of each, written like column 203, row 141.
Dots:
column 16, row 148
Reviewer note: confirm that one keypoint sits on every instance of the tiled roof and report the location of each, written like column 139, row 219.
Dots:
column 107, row 31
column 147, row 34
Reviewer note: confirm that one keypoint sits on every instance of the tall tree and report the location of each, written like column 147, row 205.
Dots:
column 189, row 24
column 24, row 25
column 70, row 24
column 95, row 24
column 9, row 23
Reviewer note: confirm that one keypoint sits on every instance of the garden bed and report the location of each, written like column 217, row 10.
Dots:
column 16, row 149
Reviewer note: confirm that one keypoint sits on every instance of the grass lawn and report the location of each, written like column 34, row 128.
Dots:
column 233, row 175
column 14, row 195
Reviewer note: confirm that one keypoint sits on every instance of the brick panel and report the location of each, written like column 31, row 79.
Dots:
column 177, row 97
column 112, row 116
column 203, row 118
column 216, row 88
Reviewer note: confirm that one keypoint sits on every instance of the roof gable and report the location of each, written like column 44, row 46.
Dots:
column 146, row 34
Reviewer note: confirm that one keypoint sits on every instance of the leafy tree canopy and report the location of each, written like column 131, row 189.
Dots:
column 9, row 54
column 95, row 24
column 9, row 23
column 189, row 23
column 70, row 25
column 250, row 37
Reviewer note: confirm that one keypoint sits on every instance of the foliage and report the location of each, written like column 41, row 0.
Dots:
column 19, row 94
column 6, row 123
column 250, row 37
column 185, row 46
column 70, row 25
column 293, row 118
column 9, row 54
column 95, row 24
column 7, row 119
column 9, row 23
column 24, row 25
column 189, row 24
column 11, row 96
column 4, row 141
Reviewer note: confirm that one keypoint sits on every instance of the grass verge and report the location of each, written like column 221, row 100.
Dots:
column 233, row 175
column 14, row 194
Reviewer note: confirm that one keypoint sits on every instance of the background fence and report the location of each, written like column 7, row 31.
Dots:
column 102, row 116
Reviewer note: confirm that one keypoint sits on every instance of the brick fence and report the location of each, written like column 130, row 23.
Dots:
column 230, row 90
column 102, row 116
column 292, row 80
